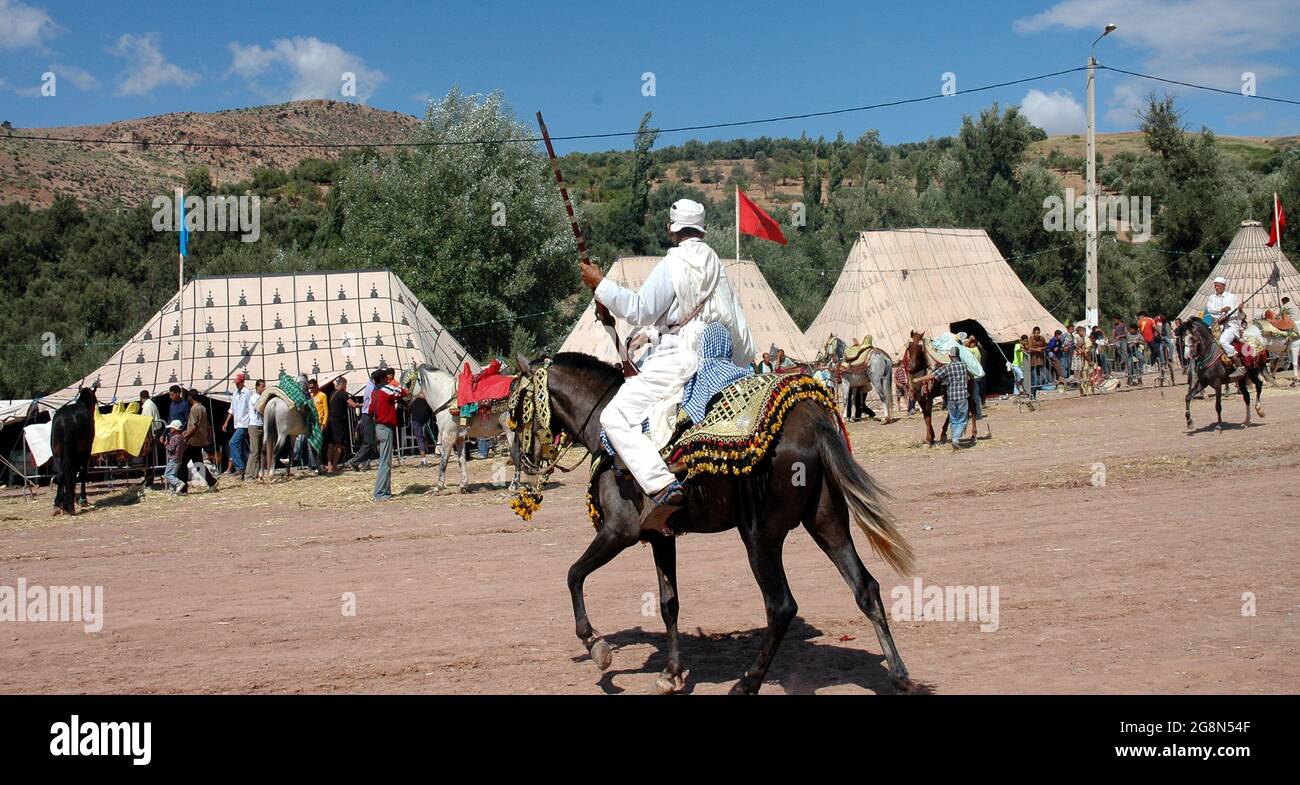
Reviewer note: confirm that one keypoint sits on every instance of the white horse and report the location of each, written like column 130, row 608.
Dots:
column 438, row 388
column 879, row 374
column 282, row 424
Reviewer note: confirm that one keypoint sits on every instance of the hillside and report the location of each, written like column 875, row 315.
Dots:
column 111, row 174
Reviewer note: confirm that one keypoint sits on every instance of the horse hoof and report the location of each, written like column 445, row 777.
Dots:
column 462, row 489
column 743, row 687
column 602, row 654
column 667, row 684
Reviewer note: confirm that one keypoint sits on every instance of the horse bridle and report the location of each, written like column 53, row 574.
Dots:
column 532, row 398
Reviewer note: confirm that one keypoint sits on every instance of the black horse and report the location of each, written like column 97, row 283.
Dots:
column 829, row 491
column 72, row 434
column 1207, row 369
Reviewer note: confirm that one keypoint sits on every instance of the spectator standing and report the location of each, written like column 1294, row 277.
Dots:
column 384, row 408
column 421, row 426
column 198, row 435
column 977, row 405
column 367, row 424
column 339, row 405
column 1017, row 365
column 1081, row 360
column 1037, row 349
column 253, row 466
column 956, row 396
column 174, row 449
column 179, row 408
column 241, row 403
column 1147, row 329
column 1134, row 348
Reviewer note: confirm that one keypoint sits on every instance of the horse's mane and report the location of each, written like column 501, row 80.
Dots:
column 585, row 363
column 1193, row 324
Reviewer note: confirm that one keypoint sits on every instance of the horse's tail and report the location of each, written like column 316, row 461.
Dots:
column 865, row 501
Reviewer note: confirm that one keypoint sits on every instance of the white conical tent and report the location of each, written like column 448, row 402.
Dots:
column 1247, row 265
column 767, row 318
column 323, row 324
column 898, row 280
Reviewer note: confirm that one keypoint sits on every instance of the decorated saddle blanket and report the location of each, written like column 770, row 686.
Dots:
column 858, row 352
column 1253, row 355
column 488, row 385
column 1280, row 328
column 862, row 361
column 120, row 431
column 738, row 431
column 286, row 388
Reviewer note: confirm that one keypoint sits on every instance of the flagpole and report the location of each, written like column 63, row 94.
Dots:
column 737, row 200
column 1277, row 255
column 180, row 286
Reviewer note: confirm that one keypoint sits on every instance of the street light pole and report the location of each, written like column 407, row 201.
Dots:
column 1091, row 306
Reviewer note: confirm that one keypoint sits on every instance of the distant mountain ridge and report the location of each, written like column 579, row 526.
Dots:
column 120, row 174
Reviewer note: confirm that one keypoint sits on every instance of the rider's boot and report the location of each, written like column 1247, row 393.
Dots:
column 660, row 506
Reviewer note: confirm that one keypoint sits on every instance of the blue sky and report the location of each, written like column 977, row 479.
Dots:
column 582, row 63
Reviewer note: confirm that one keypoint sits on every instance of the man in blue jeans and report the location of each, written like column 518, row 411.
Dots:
column 241, row 407
column 956, row 381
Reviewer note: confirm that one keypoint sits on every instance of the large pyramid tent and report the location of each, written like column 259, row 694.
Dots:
column 324, row 324
column 936, row 280
column 767, row 318
column 1246, row 265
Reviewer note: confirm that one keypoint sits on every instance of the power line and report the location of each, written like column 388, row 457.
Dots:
column 1236, row 93
column 572, row 137
column 623, row 134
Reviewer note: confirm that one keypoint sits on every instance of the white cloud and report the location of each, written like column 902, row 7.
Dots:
column 1206, row 42
column 1056, row 112
column 314, row 68
column 147, row 68
column 1126, row 101
column 22, row 26
column 80, row 77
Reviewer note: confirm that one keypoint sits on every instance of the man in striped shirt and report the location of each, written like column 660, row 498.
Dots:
column 956, row 381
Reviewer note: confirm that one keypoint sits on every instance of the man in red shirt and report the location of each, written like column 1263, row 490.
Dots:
column 1147, row 327
column 383, row 406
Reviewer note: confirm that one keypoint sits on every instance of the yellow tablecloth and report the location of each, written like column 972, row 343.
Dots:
column 118, row 430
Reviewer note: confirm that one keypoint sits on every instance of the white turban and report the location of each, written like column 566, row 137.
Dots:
column 686, row 214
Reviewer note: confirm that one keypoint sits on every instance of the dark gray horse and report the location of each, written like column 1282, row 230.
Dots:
column 72, row 436
column 1207, row 370
column 763, row 505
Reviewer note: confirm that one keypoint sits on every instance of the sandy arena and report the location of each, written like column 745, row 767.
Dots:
column 1136, row 586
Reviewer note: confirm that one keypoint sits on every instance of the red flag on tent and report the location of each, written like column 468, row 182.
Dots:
column 755, row 222
column 1279, row 223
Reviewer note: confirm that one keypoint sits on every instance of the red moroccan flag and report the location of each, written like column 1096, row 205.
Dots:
column 755, row 222
column 1279, row 223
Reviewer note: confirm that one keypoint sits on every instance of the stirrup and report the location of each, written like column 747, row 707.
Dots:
column 660, row 507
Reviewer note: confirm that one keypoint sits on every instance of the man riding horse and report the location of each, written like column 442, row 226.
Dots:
column 684, row 294
column 1225, row 307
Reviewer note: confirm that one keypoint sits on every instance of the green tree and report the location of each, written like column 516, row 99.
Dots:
column 476, row 230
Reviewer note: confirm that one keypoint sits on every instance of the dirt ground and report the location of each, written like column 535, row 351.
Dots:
column 1138, row 584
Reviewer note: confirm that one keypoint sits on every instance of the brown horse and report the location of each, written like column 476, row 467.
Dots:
column 764, row 505
column 1207, row 370
column 917, row 362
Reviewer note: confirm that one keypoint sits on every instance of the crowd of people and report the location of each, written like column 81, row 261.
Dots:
column 357, row 432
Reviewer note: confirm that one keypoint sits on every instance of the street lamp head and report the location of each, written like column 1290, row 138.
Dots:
column 1110, row 28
